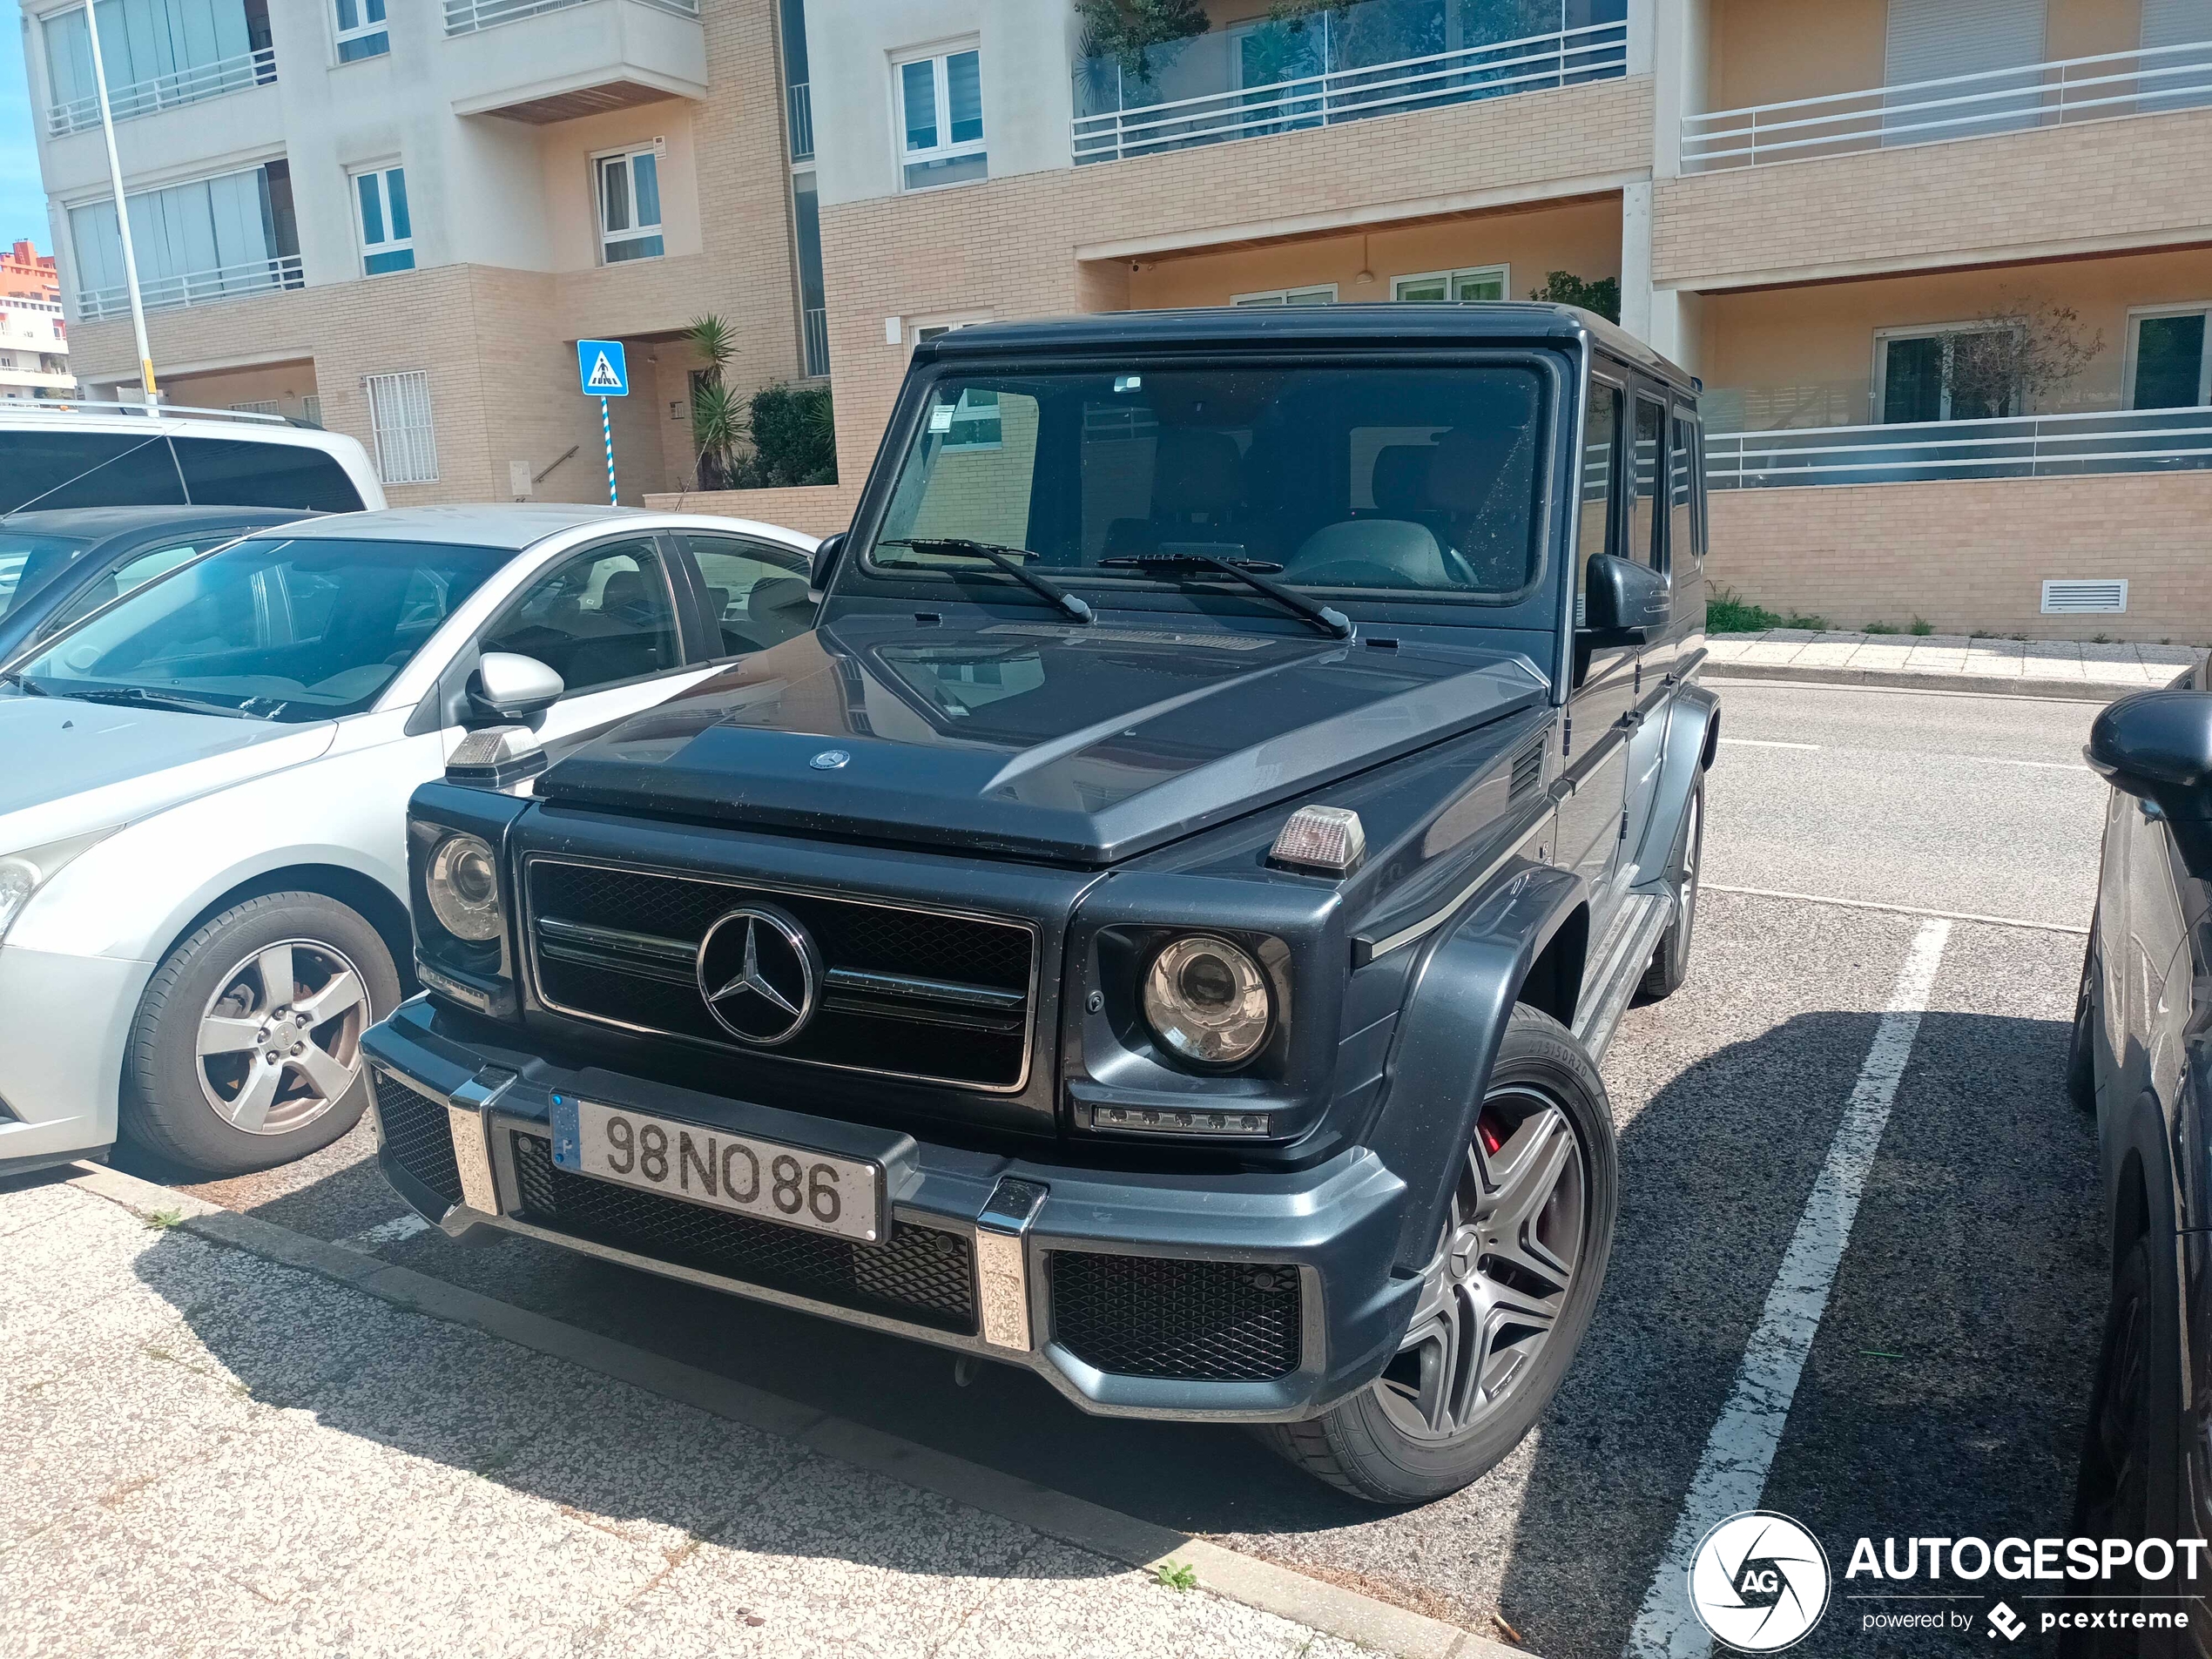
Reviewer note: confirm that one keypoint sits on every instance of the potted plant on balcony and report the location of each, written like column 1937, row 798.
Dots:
column 1129, row 43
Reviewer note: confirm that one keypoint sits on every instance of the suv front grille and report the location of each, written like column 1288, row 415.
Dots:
column 1149, row 1316
column 418, row 1135
column 918, row 1274
column 905, row 993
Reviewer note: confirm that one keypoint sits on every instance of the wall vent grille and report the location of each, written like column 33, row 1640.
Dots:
column 2084, row 597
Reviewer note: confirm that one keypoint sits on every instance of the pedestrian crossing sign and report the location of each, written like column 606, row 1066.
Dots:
column 599, row 365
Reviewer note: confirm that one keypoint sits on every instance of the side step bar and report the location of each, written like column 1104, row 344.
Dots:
column 1617, row 969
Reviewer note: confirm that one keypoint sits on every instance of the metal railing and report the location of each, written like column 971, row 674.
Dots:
column 1957, row 106
column 816, row 322
column 166, row 91
column 1436, row 80
column 467, row 17
column 798, row 99
column 192, row 288
column 2027, row 446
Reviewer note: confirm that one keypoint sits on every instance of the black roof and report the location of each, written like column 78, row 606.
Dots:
column 103, row 523
column 1386, row 322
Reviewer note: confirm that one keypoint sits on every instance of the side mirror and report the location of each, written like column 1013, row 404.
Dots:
column 2157, row 746
column 1624, row 602
column 507, row 689
column 826, row 557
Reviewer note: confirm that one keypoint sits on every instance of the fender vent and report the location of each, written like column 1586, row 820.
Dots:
column 2083, row 595
column 1527, row 772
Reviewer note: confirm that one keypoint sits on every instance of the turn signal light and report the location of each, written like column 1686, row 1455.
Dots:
column 1321, row 838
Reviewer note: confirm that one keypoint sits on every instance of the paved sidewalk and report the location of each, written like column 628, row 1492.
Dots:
column 2042, row 667
column 211, row 1452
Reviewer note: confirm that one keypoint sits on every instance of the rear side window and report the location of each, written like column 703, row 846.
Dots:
column 1649, row 460
column 228, row 472
column 55, row 469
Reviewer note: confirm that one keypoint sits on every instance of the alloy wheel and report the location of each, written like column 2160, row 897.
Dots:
column 279, row 1041
column 1498, row 1283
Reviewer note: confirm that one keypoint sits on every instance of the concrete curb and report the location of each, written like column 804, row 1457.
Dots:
column 2082, row 690
column 1326, row 1607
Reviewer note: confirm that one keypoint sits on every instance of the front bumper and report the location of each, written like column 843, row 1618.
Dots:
column 1136, row 1295
column 63, row 1023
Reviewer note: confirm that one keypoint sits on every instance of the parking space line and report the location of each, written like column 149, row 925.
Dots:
column 1900, row 909
column 396, row 1231
column 1732, row 1473
column 1766, row 743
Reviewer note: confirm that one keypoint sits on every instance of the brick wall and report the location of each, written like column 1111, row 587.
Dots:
column 1966, row 202
column 1972, row 555
column 818, row 511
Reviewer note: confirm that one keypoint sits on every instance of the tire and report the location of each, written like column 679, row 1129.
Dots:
column 1545, row 1102
column 2128, row 1485
column 220, row 1076
column 2081, row 1047
column 1685, row 868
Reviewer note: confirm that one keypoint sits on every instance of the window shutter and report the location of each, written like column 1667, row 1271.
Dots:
column 1931, row 39
column 2176, row 23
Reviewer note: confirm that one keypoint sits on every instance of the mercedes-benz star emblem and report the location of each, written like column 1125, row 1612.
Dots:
column 759, row 973
column 829, row 760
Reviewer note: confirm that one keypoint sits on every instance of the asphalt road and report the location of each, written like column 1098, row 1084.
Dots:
column 1944, row 1389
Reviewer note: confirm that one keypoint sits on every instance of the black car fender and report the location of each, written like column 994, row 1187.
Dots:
column 1693, row 717
column 1458, row 999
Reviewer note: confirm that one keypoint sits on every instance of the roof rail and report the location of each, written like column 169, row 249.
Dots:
column 103, row 409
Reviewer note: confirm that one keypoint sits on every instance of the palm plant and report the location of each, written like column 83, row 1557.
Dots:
column 719, row 416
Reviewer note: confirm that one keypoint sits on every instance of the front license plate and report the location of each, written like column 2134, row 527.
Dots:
column 765, row 1179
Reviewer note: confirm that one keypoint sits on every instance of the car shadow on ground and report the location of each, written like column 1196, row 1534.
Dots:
column 1944, row 1394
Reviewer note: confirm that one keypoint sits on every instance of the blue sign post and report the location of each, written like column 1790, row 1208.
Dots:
column 604, row 374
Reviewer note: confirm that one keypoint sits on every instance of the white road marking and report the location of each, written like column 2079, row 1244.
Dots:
column 2075, row 767
column 1899, row 909
column 1765, row 743
column 1732, row 1473
column 398, row 1230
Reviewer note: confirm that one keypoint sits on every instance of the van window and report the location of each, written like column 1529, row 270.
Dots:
column 53, row 469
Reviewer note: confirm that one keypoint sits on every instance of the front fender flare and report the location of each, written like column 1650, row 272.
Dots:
column 1457, row 1000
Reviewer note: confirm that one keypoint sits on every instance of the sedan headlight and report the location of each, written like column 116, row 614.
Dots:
column 463, row 886
column 1208, row 1000
column 24, row 874
column 18, row 880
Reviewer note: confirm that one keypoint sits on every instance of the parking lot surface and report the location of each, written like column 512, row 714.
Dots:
column 1941, row 1377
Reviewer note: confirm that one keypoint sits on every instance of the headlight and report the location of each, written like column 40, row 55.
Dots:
column 18, row 880
column 23, row 873
column 463, row 886
column 1208, row 1000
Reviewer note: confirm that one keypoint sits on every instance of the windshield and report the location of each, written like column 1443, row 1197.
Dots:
column 29, row 562
column 1361, row 477
column 280, row 629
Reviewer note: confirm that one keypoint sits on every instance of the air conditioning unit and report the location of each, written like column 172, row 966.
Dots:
column 2086, row 597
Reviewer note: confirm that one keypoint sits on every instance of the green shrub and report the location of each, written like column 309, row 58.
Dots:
column 1922, row 626
column 1881, row 628
column 794, row 439
column 1726, row 612
column 1565, row 288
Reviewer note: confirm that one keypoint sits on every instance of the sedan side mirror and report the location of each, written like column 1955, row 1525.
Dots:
column 1625, row 603
column 826, row 556
column 507, row 689
column 2157, row 746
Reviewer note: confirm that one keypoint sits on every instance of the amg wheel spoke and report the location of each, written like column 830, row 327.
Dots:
column 220, row 1036
column 250, row 1107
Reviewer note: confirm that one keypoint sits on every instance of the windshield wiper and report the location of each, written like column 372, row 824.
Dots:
column 1328, row 619
column 1007, row 558
column 24, row 684
column 139, row 696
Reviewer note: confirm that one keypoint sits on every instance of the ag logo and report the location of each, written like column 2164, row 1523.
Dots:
column 1759, row 1582
column 759, row 973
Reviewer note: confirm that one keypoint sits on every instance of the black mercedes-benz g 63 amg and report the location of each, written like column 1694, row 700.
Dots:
column 1160, row 925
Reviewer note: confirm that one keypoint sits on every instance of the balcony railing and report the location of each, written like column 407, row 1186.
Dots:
column 1200, row 95
column 1957, row 106
column 2028, row 446
column 192, row 288
column 467, row 17
column 816, row 318
column 165, row 91
column 798, row 98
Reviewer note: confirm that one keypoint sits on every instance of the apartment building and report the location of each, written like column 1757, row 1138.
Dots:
column 1945, row 265
column 395, row 217
column 34, row 336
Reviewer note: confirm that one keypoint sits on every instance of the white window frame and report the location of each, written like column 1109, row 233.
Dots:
column 1451, row 279
column 1283, row 296
column 407, row 463
column 381, row 172
column 658, row 150
column 342, row 37
column 2135, row 315
column 1918, row 331
column 937, row 58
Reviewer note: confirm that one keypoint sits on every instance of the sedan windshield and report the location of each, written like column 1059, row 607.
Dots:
column 29, row 562
column 1359, row 477
column 279, row 629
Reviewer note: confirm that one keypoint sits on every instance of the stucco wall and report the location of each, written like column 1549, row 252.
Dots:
column 1971, row 557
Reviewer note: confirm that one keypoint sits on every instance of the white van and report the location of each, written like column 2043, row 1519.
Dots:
column 122, row 454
